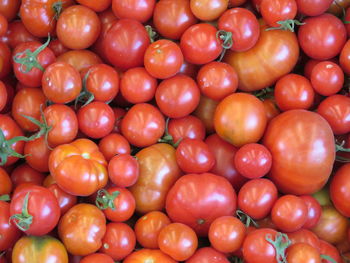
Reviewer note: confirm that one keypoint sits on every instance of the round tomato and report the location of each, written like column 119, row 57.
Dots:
column 140, row 10
column 149, row 255
column 187, row 127
column 205, row 112
column 339, row 190
column 5, row 183
column 344, row 57
column 271, row 108
column 207, row 254
column 25, row 174
column 9, row 233
column 329, row 250
column 313, row 7
column 304, row 236
column 37, row 154
column 17, row 34
column 57, row 47
column 10, row 8
column 208, row 10
column 113, row 144
column 97, row 6
column 302, row 252
column 80, row 59
column 65, row 201
column 5, row 60
column 314, row 211
column 97, row 258
column 123, row 170
column 274, row 11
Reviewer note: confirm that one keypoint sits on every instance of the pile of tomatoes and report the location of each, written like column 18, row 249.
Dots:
column 197, row 131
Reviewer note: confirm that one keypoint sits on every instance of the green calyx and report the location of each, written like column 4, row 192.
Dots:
column 5, row 198
column 105, row 200
column 226, row 38
column 287, row 25
column 281, row 243
column 23, row 220
column 167, row 138
column 245, row 219
column 85, row 97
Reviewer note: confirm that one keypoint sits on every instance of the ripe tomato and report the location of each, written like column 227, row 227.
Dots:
column 6, row 183
column 187, row 127
column 25, row 174
column 80, row 59
column 271, row 109
column 84, row 154
column 302, row 148
column 274, row 11
column 205, row 112
column 339, row 190
column 314, row 211
column 198, row 199
column 143, row 125
column 17, row 34
column 123, row 170
column 148, row 226
column 4, row 96
column 57, row 47
column 158, row 172
column 10, row 9
column 240, row 118
column 178, row 241
column 82, row 228
column 37, row 154
column 35, row 210
column 344, row 57
column 140, row 10
column 119, row 241
column 65, row 200
column 302, row 252
column 207, row 254
column 9, row 232
column 78, row 27
column 40, row 249
column 313, row 7
column 5, row 60
column 148, row 255
column 97, row 6
column 329, row 250
column 97, row 257
column 304, row 236
column 3, row 25
column 208, row 10
column 113, row 144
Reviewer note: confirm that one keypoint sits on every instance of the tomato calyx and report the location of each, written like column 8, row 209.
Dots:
column 57, row 8
column 281, row 243
column 227, row 41
column 85, row 97
column 326, row 257
column 30, row 59
column 287, row 25
column 151, row 33
column 167, row 138
column 245, row 219
column 5, row 198
column 23, row 220
column 105, row 200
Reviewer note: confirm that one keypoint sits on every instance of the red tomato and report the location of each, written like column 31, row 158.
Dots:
column 304, row 236
column 274, row 11
column 97, row 6
column 205, row 112
column 302, row 252
column 65, row 201
column 339, row 190
column 187, row 127
column 198, row 199
column 329, row 250
column 37, row 154
column 313, row 7
column 97, row 257
column 271, row 109
column 35, row 210
column 9, row 232
column 344, row 58
column 3, row 96
column 17, row 34
column 144, row 255
column 207, row 254
column 6, row 183
column 10, row 8
column 314, row 211
column 25, row 174
column 123, row 170
column 113, row 144
column 140, row 10
column 57, row 47
column 5, row 60
column 208, row 10
column 80, row 59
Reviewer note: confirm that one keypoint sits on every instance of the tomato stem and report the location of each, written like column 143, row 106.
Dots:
column 227, row 41
column 85, row 97
column 57, row 9
column 5, row 198
column 151, row 33
column 167, row 138
column 245, row 219
column 281, row 243
column 105, row 200
column 288, row 24
column 23, row 220
column 326, row 257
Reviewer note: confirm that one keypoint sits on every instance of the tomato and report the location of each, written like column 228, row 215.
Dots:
column 187, row 127
column 57, row 47
column 163, row 59
column 240, row 118
column 140, row 10
column 194, row 156
column 329, row 250
column 143, row 125
column 178, row 241
column 9, row 232
column 294, row 91
column 148, row 227
column 125, row 44
column 35, row 210
column 97, row 257
column 9, row 8
column 302, row 148
column 313, row 7
column 4, row 96
column 37, row 154
column 123, row 170
column 314, row 211
column 277, row 50
column 253, row 160
column 83, row 154
column 5, row 60
column 40, row 249
column 244, row 27
column 137, row 85
column 332, row 225
column 198, row 199
column 344, row 57
column 98, row 6
column 304, row 236
column 189, row 69
column 148, row 255
column 217, row 80
column 199, row 44
column 80, row 59
column 119, row 241
column 29, row 102
column 65, row 200
column 78, row 27
column 113, row 144
column 6, row 183
column 322, row 37
column 339, row 190
column 25, row 174
column 158, row 172
column 208, row 10
column 61, row 83
column 17, row 34
column 82, row 228
column 205, row 112
column 274, row 11
column 206, row 255
column 335, row 109
column 302, row 252
column 271, row 108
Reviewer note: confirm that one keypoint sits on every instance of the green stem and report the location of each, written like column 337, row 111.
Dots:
column 151, row 33
column 5, row 198
column 105, row 200
column 85, row 97
column 281, row 243
column 57, row 9
column 227, row 41
column 287, row 25
column 23, row 220
column 245, row 219
column 326, row 257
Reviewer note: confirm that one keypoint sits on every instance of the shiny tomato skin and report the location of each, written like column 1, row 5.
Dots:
column 344, row 58
column 37, row 154
column 304, row 236
column 206, row 255
column 296, row 171
column 80, row 59
column 313, row 7
column 205, row 112
column 339, row 190
column 113, row 144
column 329, row 250
column 302, row 252
column 190, row 200
column 271, row 109
column 314, row 211
column 145, row 255
column 25, row 174
column 140, row 10
column 240, row 118
column 9, row 232
column 97, row 6
column 65, row 201
column 123, row 170
column 186, row 127
column 208, row 10
column 10, row 9
column 274, row 11
column 5, row 60
column 97, row 258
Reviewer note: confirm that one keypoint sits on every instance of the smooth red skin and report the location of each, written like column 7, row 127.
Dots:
column 137, row 85
column 61, row 83
column 9, row 232
column 96, row 120
column 123, row 170
column 64, row 124
column 205, row 112
column 10, row 90
column 256, row 249
column 309, row 66
column 294, row 91
column 244, row 27
column 257, row 197
column 177, row 96
column 119, row 241
column 11, row 129
column 140, row 10
column 37, row 154
column 322, row 37
column 313, row 7
column 186, row 127
column 65, row 200
column 113, row 144
column 314, row 211
column 253, row 160
column 329, row 250
column 344, row 57
column 57, row 47
column 6, row 60
column 17, row 34
column 148, row 227
column 6, row 183
column 80, row 59
column 291, row 137
column 304, row 236
column 207, row 255
column 42, row 205
column 125, row 44
column 103, row 82
column 97, row 258
column 26, row 174
column 274, row 11
column 143, row 125
column 336, row 110
column 303, row 253
column 271, row 109
column 189, row 69
column 327, row 78
column 216, row 80
column 152, row 255
column 3, row 96
column 194, row 156
column 191, row 200
column 9, row 8
column 119, row 114
column 339, row 190
column 97, row 6
column 199, row 44
column 163, row 59
column 33, row 77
